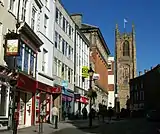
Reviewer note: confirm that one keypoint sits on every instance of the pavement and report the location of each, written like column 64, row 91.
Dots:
column 49, row 128
column 125, row 126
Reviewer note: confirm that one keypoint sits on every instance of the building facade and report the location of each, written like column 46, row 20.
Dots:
column 99, row 53
column 125, row 63
column 111, row 82
column 144, row 90
column 81, row 59
column 64, row 58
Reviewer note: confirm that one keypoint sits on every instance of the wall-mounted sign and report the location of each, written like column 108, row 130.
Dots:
column 12, row 44
column 96, row 76
column 85, row 73
column 12, row 47
column 65, row 83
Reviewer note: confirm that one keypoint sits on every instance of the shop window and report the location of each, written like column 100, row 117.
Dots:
column 3, row 101
column 32, row 59
column 26, row 57
column 19, row 59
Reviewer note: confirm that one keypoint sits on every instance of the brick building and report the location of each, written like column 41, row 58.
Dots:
column 99, row 53
column 144, row 90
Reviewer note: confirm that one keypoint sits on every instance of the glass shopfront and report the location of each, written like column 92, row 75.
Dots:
column 4, row 106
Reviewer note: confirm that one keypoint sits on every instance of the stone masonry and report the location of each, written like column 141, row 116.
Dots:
column 125, row 58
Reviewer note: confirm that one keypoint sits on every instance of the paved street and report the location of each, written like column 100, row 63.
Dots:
column 134, row 126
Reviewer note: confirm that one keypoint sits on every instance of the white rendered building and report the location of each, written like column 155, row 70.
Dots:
column 111, row 82
column 64, row 57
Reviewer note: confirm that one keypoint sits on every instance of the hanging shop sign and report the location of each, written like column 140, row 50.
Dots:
column 85, row 73
column 12, row 44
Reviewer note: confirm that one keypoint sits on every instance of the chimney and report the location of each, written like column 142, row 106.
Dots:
column 140, row 73
column 77, row 19
column 145, row 70
column 151, row 68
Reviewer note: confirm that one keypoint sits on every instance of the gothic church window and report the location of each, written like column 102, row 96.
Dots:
column 126, row 48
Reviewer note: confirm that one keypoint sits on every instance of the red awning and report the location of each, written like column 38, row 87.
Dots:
column 83, row 100
column 48, row 88
column 26, row 83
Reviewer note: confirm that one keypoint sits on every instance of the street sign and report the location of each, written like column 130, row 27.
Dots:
column 85, row 73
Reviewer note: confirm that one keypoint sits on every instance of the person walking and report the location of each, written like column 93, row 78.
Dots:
column 55, row 113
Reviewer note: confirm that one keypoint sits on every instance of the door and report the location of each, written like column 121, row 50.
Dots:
column 28, row 109
column 22, row 109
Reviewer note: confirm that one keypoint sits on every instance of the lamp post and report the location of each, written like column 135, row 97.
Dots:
column 91, row 72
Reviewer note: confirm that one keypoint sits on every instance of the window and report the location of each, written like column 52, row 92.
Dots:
column 109, row 66
column 45, row 23
column 32, row 59
column 24, row 4
column 69, row 75
column 26, row 58
column 66, row 48
column 57, row 16
column 3, row 100
column 60, row 19
column 59, row 42
column 46, row 3
column 66, row 72
column 59, row 68
column 56, row 39
column 19, row 58
column 64, row 24
column 70, row 28
column 63, row 46
column 69, row 51
column 55, row 66
column 126, row 48
column 33, row 18
column 44, row 59
column 11, row 6
column 63, row 68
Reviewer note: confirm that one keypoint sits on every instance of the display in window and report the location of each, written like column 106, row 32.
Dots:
column 32, row 64
column 26, row 56
column 37, row 104
column 19, row 59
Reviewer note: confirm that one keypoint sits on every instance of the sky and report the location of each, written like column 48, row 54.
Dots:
column 145, row 14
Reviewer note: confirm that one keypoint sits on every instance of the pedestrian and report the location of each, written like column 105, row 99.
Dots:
column 55, row 113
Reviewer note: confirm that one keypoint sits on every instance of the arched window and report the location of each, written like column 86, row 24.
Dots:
column 126, row 48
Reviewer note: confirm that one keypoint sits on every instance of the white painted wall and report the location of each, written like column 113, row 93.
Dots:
column 82, row 59
column 58, row 52
column 110, row 79
column 111, row 98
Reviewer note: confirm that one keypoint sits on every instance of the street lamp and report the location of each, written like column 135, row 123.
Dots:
column 91, row 72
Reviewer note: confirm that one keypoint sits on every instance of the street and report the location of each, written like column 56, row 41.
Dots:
column 134, row 126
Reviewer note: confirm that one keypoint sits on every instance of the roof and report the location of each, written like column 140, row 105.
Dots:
column 148, row 72
column 88, row 28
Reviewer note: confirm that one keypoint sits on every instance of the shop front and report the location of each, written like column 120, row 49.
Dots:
column 80, row 102
column 44, row 100
column 25, row 100
column 67, row 102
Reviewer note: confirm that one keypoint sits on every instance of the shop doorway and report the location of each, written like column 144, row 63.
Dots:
column 22, row 109
column 28, row 109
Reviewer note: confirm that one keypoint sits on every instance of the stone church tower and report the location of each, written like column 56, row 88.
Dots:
column 125, row 63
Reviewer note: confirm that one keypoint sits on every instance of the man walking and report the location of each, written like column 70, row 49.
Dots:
column 55, row 113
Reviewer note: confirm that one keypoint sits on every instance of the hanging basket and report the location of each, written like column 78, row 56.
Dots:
column 92, row 94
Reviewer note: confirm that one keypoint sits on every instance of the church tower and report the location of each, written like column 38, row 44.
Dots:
column 125, row 63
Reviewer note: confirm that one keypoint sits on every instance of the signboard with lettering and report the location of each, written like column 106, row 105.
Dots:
column 85, row 73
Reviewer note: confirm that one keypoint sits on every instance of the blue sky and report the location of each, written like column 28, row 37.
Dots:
column 106, row 13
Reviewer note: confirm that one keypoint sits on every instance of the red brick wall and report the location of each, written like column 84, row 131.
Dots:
column 111, row 87
column 102, row 70
column 112, row 71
